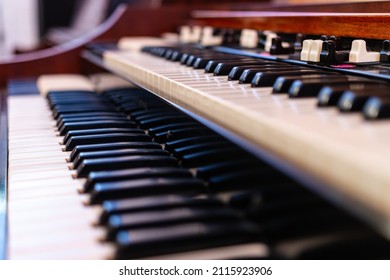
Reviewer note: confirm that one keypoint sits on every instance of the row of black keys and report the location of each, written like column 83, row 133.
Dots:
column 349, row 93
column 154, row 205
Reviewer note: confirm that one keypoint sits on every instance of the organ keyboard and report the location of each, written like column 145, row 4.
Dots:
column 310, row 137
column 155, row 181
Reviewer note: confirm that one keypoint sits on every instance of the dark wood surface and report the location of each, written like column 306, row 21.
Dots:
column 359, row 25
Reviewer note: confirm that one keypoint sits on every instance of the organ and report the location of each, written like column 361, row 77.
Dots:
column 273, row 149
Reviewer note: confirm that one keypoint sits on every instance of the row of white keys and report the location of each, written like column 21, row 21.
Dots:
column 342, row 150
column 47, row 219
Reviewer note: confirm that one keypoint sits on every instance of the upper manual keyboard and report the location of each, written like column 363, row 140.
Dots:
column 344, row 151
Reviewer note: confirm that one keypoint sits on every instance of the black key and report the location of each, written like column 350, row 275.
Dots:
column 139, row 105
column 117, row 163
column 125, row 92
column 96, row 124
column 201, row 62
column 117, row 153
column 166, row 217
column 59, row 93
column 224, row 68
column 112, row 146
column 155, row 115
column 283, row 84
column 172, row 145
column 59, row 110
column 72, row 95
column 377, row 108
column 78, row 101
column 211, row 156
column 105, row 138
column 172, row 239
column 249, row 178
column 352, row 101
column 225, row 167
column 91, row 115
column 163, row 128
column 74, row 133
column 168, row 53
column 212, row 64
column 135, row 173
column 145, row 187
column 248, row 74
column 153, row 110
column 237, row 71
column 56, row 99
column 311, row 87
column 180, row 152
column 132, row 205
column 72, row 109
column 267, row 79
column 184, row 58
column 118, row 117
column 249, row 199
column 145, row 124
column 176, row 134
column 176, row 56
column 330, row 95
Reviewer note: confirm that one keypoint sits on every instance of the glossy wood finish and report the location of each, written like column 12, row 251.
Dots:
column 341, row 7
column 360, row 25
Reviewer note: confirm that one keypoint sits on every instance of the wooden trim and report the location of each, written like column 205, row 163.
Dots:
column 361, row 25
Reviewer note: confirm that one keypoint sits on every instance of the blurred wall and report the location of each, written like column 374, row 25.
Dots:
column 19, row 25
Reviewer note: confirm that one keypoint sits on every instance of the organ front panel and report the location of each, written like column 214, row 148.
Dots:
column 249, row 134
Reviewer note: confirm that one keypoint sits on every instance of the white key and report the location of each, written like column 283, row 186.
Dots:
column 315, row 51
column 306, row 47
column 249, row 38
column 208, row 39
column 359, row 53
column 190, row 34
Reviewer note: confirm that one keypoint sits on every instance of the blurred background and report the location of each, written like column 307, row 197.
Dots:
column 27, row 25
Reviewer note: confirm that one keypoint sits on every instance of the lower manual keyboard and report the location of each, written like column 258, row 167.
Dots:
column 180, row 191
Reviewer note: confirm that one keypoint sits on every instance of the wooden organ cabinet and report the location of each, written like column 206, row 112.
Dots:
column 259, row 131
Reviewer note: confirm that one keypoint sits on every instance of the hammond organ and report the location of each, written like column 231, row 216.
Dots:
column 252, row 134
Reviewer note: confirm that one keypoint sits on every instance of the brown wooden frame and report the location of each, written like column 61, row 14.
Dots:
column 362, row 25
